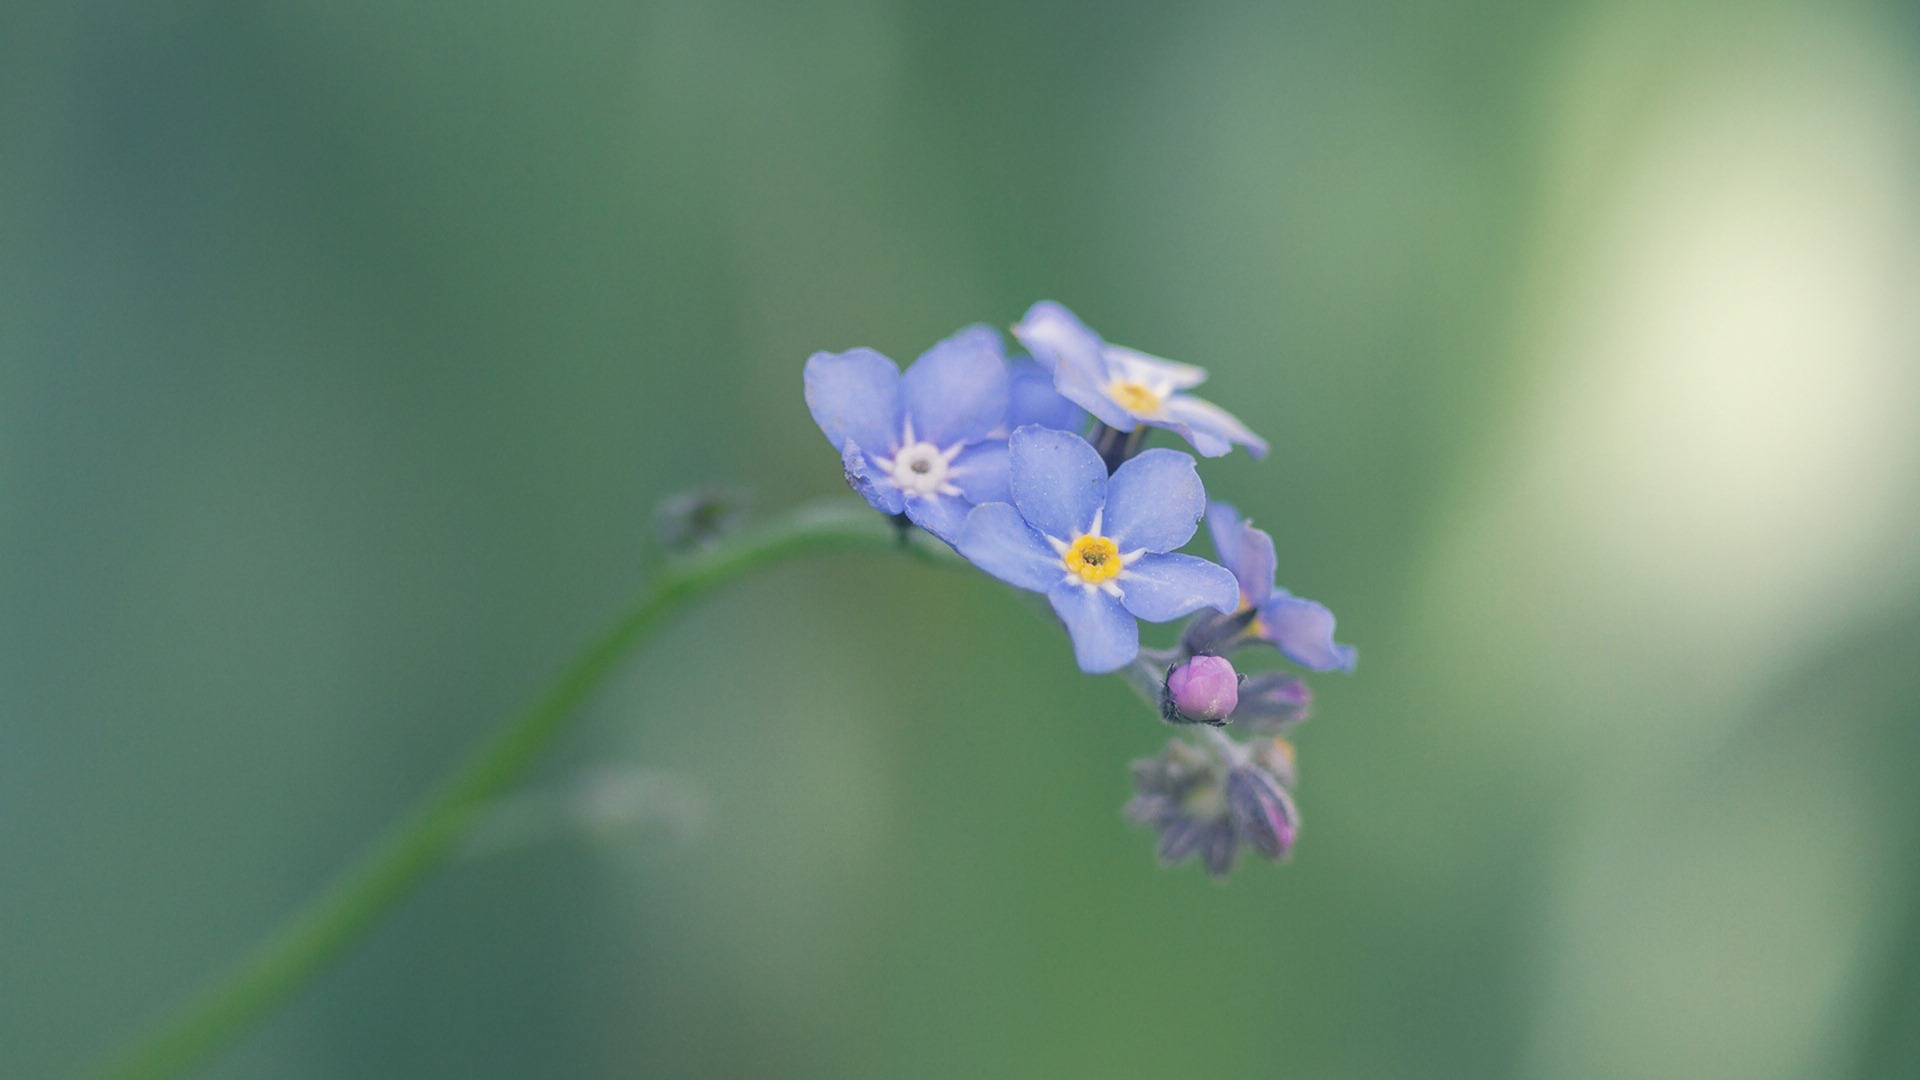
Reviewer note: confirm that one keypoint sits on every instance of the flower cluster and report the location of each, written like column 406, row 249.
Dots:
column 1034, row 469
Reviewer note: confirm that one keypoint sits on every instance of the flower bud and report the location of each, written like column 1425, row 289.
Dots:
column 1262, row 814
column 695, row 519
column 1272, row 701
column 1277, row 757
column 1205, row 690
column 1215, row 798
column 1211, row 632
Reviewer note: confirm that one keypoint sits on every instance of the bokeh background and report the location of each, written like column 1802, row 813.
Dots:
column 346, row 347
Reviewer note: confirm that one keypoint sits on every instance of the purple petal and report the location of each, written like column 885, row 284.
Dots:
column 1222, row 849
column 1075, row 355
column 1212, row 430
column 867, row 482
column 996, row 539
column 1261, row 810
column 1303, row 632
column 856, row 395
column 957, row 390
column 1151, row 809
column 1159, row 588
column 1154, row 501
column 1059, row 482
column 980, row 472
column 1031, row 399
column 1272, row 701
column 1181, row 838
column 1245, row 550
column 1105, row 637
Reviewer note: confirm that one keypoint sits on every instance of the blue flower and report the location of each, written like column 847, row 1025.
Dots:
column 1123, row 388
column 921, row 443
column 1301, row 629
column 1097, row 545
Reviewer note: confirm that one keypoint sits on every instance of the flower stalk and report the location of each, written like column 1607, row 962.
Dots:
column 419, row 843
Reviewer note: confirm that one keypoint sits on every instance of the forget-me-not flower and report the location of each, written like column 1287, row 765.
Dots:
column 920, row 443
column 1123, row 388
column 1098, row 546
column 1301, row 629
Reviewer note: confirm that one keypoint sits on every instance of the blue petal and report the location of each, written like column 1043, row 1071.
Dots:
column 1059, row 482
column 996, row 539
column 1031, row 399
column 856, row 395
column 865, row 481
column 1056, row 337
column 1226, row 528
column 1212, row 430
column 1154, row 501
column 1136, row 366
column 1159, row 588
column 1303, row 632
column 1245, row 550
column 980, row 472
column 1105, row 637
column 1074, row 354
column 941, row 515
column 957, row 390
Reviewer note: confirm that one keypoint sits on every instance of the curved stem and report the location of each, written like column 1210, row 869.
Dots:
column 305, row 944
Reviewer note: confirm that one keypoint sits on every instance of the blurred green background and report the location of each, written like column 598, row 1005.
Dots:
column 345, row 349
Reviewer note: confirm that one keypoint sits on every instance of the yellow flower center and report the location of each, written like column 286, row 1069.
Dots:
column 1094, row 558
column 1134, row 397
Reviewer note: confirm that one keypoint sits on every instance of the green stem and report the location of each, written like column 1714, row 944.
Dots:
column 315, row 936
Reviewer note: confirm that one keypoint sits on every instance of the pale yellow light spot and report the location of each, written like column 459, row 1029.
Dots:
column 1136, row 398
column 1284, row 750
column 1093, row 559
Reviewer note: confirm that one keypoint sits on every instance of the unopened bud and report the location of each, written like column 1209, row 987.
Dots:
column 1271, row 702
column 1262, row 814
column 695, row 519
column 1204, row 690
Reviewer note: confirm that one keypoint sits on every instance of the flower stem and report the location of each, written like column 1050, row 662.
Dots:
column 313, row 937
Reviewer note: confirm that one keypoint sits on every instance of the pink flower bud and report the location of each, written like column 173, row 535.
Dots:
column 1204, row 689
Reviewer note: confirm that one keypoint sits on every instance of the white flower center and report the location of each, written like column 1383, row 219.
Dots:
column 921, row 468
